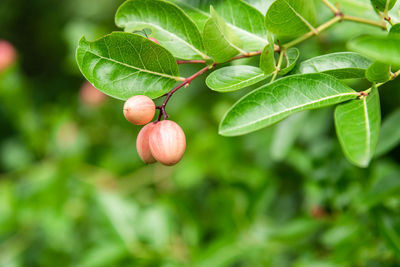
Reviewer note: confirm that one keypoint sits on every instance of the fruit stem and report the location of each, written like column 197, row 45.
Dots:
column 186, row 83
column 191, row 62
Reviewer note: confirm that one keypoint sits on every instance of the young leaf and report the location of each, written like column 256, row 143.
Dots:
column 384, row 49
column 220, row 41
column 395, row 30
column 172, row 28
column 261, row 5
column 290, row 17
column 267, row 59
column 292, row 55
column 378, row 72
column 125, row 64
column 344, row 65
column 233, row 78
column 357, row 126
column 383, row 5
column 390, row 134
column 246, row 21
column 198, row 15
column 275, row 101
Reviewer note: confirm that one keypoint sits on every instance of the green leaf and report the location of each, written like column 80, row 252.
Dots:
column 267, row 58
column 233, row 78
column 125, row 64
column 275, row 101
column 246, row 21
column 290, row 17
column 292, row 55
column 383, row 5
column 172, row 28
column 384, row 49
column 344, row 65
column 390, row 134
column 378, row 72
column 395, row 30
column 220, row 41
column 357, row 126
column 198, row 15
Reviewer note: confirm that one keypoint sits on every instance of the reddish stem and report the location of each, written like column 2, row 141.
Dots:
column 185, row 83
column 191, row 62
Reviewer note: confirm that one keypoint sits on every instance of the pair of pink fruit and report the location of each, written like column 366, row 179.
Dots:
column 162, row 141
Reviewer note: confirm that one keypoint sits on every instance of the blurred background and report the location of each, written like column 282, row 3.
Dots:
column 73, row 191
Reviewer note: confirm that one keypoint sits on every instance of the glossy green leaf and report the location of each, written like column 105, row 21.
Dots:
column 385, row 49
column 395, row 30
column 220, row 40
column 267, row 59
column 172, row 28
column 261, row 5
column 125, row 64
column 383, row 5
column 378, row 72
column 357, row 126
column 245, row 20
column 233, row 78
column 343, row 65
column 290, row 17
column 292, row 55
column 195, row 12
column 275, row 101
column 390, row 134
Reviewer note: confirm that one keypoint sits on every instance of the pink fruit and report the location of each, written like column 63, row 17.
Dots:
column 139, row 109
column 8, row 55
column 142, row 144
column 167, row 142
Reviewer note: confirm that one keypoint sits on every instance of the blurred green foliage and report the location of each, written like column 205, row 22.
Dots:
column 73, row 191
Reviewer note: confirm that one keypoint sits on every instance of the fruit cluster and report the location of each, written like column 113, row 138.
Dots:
column 162, row 141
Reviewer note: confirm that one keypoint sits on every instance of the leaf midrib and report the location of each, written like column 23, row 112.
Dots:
column 249, row 79
column 367, row 128
column 290, row 109
column 169, row 33
column 133, row 67
column 308, row 24
column 253, row 35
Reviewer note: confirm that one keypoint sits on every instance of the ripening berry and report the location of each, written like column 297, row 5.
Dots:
column 142, row 144
column 167, row 142
column 90, row 96
column 7, row 54
column 139, row 109
column 154, row 40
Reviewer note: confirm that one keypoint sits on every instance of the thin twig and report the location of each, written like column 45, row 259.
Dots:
column 365, row 21
column 321, row 28
column 185, row 83
column 191, row 62
column 334, row 9
column 393, row 76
